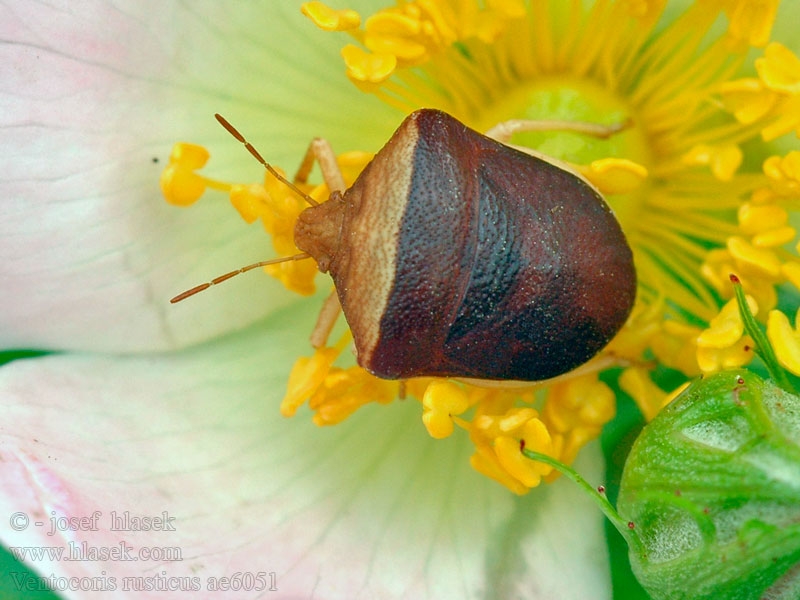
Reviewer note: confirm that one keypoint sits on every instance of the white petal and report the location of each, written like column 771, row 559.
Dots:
column 90, row 94
column 373, row 508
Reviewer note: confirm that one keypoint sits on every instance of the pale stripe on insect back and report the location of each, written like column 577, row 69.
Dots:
column 376, row 225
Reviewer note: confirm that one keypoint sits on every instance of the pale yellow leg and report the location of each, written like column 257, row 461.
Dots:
column 320, row 150
column 326, row 320
column 502, row 132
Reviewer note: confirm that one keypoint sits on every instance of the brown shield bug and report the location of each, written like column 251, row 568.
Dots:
column 456, row 255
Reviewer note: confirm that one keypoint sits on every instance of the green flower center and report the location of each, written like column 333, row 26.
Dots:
column 574, row 99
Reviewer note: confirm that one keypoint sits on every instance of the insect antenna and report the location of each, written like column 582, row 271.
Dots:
column 235, row 133
column 221, row 278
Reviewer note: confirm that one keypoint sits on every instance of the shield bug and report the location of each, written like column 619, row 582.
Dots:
column 454, row 254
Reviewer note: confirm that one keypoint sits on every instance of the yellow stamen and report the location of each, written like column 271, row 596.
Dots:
column 787, row 119
column 784, row 174
column 516, row 418
column 751, row 20
column 297, row 275
column 637, row 333
column 792, row 272
column 644, row 10
column 723, row 160
column 181, row 187
column 485, row 462
column 725, row 329
column 189, row 156
column 758, row 219
column 308, row 374
column 747, row 99
column 759, row 261
column 676, row 347
column 344, row 391
column 648, row 396
column 442, row 400
column 718, row 266
column 509, row 454
column 773, row 99
column 368, row 67
column 583, row 402
column 490, row 425
column 392, row 33
column 305, row 377
column 180, row 184
column 511, row 9
column 785, row 340
column 779, row 69
column 329, row 19
column 512, row 460
column 615, row 175
column 251, row 201
column 712, row 360
column 774, row 237
column 722, row 346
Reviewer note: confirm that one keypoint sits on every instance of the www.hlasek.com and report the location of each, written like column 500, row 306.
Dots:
column 241, row 581
column 83, row 551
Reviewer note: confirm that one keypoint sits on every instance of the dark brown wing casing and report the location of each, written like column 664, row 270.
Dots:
column 459, row 256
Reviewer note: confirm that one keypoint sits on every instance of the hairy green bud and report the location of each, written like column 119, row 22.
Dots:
column 711, row 490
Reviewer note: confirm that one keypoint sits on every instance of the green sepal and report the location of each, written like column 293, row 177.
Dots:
column 763, row 347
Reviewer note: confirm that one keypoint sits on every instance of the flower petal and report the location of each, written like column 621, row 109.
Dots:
column 93, row 94
column 372, row 508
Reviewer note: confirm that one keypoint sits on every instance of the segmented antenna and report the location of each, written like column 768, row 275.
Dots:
column 221, row 278
column 233, row 131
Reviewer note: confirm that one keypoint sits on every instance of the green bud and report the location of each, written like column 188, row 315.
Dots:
column 712, row 490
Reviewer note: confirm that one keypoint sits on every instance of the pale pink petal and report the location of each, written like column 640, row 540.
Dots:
column 91, row 94
column 370, row 509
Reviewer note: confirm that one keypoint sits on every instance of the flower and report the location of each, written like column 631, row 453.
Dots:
column 672, row 171
column 142, row 413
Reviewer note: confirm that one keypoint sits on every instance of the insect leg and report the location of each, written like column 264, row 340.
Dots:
column 320, row 150
column 326, row 320
column 502, row 132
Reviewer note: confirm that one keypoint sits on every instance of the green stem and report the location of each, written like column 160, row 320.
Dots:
column 624, row 527
column 763, row 347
